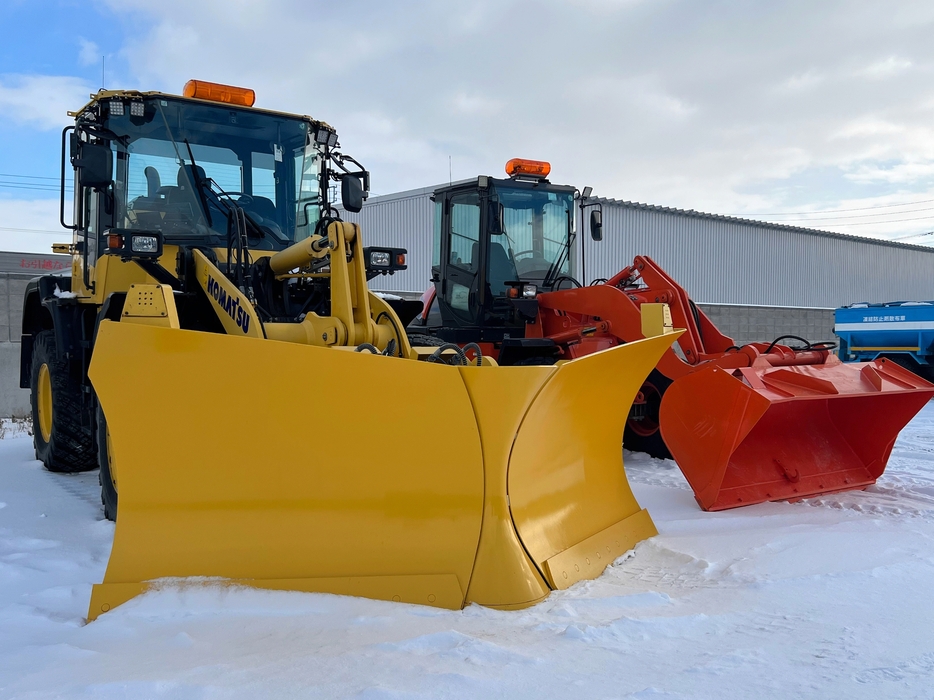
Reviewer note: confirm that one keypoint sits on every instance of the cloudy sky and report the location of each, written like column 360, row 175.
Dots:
column 811, row 113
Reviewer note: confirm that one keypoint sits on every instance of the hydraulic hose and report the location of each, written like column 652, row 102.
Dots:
column 460, row 357
column 824, row 345
column 395, row 329
column 477, row 352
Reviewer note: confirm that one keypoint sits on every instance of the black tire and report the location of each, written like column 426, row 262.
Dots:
column 644, row 435
column 106, row 478
column 69, row 445
column 425, row 341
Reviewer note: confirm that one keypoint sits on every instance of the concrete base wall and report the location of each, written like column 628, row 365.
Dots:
column 747, row 324
column 13, row 400
column 12, row 288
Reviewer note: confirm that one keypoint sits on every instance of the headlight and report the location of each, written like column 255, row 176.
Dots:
column 379, row 258
column 116, row 108
column 529, row 291
column 144, row 244
column 137, row 108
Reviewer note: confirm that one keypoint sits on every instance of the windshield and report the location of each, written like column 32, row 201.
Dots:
column 538, row 226
column 264, row 163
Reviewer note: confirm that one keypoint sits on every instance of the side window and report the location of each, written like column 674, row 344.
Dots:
column 436, row 238
column 91, row 223
column 434, row 315
column 264, row 176
column 465, row 232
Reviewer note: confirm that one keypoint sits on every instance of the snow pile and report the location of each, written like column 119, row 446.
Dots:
column 63, row 295
column 15, row 427
column 824, row 598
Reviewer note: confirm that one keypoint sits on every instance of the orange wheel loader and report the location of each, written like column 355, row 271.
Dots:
column 761, row 422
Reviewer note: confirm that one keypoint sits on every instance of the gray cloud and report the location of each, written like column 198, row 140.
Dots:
column 719, row 106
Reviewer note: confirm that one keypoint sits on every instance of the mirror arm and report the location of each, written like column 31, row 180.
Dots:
column 61, row 207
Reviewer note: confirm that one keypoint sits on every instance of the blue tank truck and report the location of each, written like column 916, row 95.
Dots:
column 902, row 331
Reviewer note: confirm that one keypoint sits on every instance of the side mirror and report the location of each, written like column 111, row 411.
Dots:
column 351, row 193
column 596, row 225
column 497, row 226
column 95, row 165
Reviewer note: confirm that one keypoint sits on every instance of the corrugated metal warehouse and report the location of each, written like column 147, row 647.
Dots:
column 16, row 269
column 756, row 280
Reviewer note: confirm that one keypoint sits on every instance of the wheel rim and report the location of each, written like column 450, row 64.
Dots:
column 649, row 424
column 44, row 390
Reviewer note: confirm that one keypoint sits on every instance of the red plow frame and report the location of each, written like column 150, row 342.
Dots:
column 761, row 422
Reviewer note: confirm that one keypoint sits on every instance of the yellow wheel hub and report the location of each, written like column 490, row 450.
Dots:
column 44, row 390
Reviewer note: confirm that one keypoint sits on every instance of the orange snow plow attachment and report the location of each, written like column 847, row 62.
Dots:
column 756, row 434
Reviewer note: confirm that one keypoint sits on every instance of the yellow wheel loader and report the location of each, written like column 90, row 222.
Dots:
column 253, row 402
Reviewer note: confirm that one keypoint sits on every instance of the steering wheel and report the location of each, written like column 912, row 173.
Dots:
column 244, row 198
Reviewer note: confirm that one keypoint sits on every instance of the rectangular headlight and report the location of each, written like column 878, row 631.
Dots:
column 116, row 108
column 529, row 291
column 144, row 244
column 322, row 136
column 379, row 258
column 332, row 139
column 137, row 108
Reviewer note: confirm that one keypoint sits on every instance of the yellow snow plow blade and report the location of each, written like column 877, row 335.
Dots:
column 288, row 466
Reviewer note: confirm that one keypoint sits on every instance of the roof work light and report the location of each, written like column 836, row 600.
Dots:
column 523, row 166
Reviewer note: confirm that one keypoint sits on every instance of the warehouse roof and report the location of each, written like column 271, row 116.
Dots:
column 422, row 191
column 761, row 224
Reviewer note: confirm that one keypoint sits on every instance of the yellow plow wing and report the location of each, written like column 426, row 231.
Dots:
column 288, row 466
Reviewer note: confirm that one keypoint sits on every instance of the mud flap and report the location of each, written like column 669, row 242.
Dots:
column 752, row 435
column 287, row 466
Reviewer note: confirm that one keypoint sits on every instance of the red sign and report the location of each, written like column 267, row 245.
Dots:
column 34, row 264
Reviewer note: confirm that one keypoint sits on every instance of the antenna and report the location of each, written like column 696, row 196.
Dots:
column 450, row 171
column 103, row 59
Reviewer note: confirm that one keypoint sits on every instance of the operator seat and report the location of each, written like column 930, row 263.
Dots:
column 153, row 181
column 261, row 206
column 187, row 199
column 191, row 178
column 501, row 270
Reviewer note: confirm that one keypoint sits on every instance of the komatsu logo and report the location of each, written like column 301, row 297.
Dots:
column 229, row 304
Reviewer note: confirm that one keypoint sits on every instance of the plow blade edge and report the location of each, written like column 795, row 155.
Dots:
column 285, row 466
column 752, row 435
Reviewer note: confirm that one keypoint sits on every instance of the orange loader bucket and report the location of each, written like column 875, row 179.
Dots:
column 751, row 435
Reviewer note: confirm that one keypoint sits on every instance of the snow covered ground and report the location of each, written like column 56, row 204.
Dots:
column 830, row 598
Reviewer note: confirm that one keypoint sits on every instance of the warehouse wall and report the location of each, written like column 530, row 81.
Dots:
column 719, row 260
column 401, row 220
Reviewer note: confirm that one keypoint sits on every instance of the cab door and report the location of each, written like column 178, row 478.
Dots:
column 462, row 260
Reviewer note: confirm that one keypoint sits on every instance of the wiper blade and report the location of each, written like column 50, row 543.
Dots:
column 559, row 260
column 198, row 184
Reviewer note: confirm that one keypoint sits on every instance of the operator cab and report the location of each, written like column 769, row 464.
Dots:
column 159, row 176
column 177, row 164
column 497, row 244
